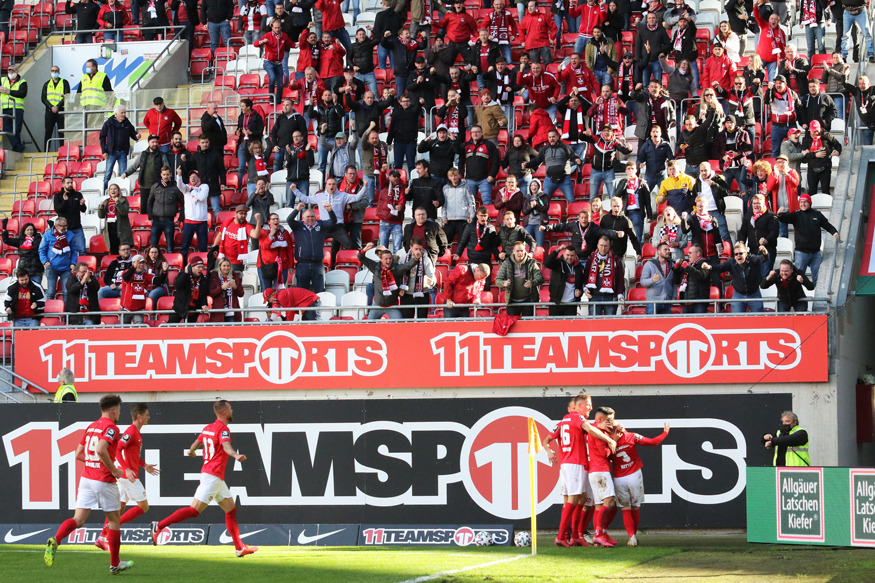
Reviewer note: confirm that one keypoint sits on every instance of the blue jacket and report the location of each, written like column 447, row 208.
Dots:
column 310, row 243
column 116, row 136
column 58, row 261
column 655, row 157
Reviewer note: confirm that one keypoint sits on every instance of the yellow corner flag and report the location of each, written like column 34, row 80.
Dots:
column 534, row 449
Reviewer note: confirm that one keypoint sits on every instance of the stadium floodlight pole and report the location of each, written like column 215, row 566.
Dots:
column 534, row 449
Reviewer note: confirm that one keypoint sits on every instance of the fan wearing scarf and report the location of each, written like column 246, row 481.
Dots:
column 82, row 290
column 276, row 254
column 693, row 280
column 759, row 229
column 388, row 276
column 390, row 211
column 28, row 242
column 520, row 278
column 566, row 281
column 657, row 278
column 418, row 283
column 58, row 254
column 668, row 230
column 705, row 232
column 773, row 40
column 233, row 238
column 604, row 279
column 136, row 283
column 24, row 301
column 190, row 293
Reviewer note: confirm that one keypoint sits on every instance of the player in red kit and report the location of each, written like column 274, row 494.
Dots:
column 97, row 486
column 628, row 479
column 600, row 477
column 215, row 439
column 128, row 458
column 573, row 471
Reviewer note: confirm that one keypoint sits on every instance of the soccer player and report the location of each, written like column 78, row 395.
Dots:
column 97, row 486
column 215, row 439
column 628, row 479
column 128, row 458
column 600, row 478
column 574, row 469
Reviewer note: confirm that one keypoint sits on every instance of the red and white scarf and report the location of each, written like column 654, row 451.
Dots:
column 753, row 219
column 27, row 243
column 61, row 245
column 624, row 75
column 566, row 125
column 816, row 143
column 601, row 273
column 671, row 232
column 582, row 232
column 777, row 41
column 502, row 87
column 229, row 291
column 480, row 235
column 111, row 212
column 84, row 305
column 380, row 158
column 706, row 222
column 606, row 112
column 310, row 92
column 387, row 281
column 499, row 26
column 195, row 290
column 260, row 166
column 419, row 285
column 452, row 119
column 410, row 44
column 394, row 192
column 282, row 240
column 679, row 40
column 809, row 12
column 632, row 192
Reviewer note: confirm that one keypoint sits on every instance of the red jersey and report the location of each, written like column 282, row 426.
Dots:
column 215, row 457
column 23, row 308
column 599, row 454
column 572, row 440
column 235, row 241
column 541, row 88
column 134, row 291
column 626, row 460
column 105, row 429
column 128, row 454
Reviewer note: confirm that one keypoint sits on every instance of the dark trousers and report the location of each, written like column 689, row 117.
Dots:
column 341, row 236
column 168, row 228
column 563, row 309
column 190, row 318
column 515, row 310
column 112, row 232
column 405, row 150
column 409, row 302
column 457, row 313
column 189, row 230
column 309, row 275
column 454, row 230
column 53, row 120
column 821, row 177
column 12, row 127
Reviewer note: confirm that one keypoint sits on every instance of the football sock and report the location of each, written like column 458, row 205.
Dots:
column 565, row 521
column 114, row 540
column 628, row 521
column 105, row 528
column 635, row 517
column 65, row 529
column 587, row 518
column 597, row 520
column 231, row 524
column 131, row 514
column 576, row 517
column 178, row 516
column 608, row 517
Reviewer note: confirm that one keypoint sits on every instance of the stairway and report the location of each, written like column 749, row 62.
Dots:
column 21, row 170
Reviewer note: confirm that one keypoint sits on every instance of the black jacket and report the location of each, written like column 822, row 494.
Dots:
column 719, row 190
column 147, row 180
column 829, row 143
column 659, row 43
column 256, row 126
column 806, row 228
column 404, row 59
column 361, row 55
column 766, row 228
column 488, row 243
column 424, row 192
column 702, row 237
column 217, row 10
column 867, row 97
column 283, row 128
column 821, row 108
column 28, row 259
column 210, row 164
column 621, row 224
column 310, row 243
column 298, row 164
column 86, row 14
column 70, row 209
column 115, row 269
column 179, row 159
column 217, row 132
column 745, row 276
column 559, row 273
column 440, row 155
column 385, row 20
column 405, row 122
column 584, row 240
column 688, row 44
column 698, row 280
column 182, row 291
column 329, row 115
column 643, row 196
column 435, row 238
column 36, row 296
column 792, row 292
column 421, row 83
column 44, row 95
column 366, row 114
column 163, row 202
column 74, row 291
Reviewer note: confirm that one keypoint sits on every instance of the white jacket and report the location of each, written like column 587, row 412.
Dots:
column 196, row 205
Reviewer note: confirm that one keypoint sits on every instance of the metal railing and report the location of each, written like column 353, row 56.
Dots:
column 8, row 387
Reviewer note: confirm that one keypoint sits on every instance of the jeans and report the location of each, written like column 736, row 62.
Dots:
column 111, row 159
column 569, row 20
column 216, row 203
column 220, row 33
column 369, row 79
column 457, row 312
column 541, row 55
column 345, row 7
column 737, row 174
column 580, row 44
column 79, row 240
column 603, row 77
column 803, row 260
column 537, row 233
column 274, row 79
column 659, row 309
column 396, row 232
column 400, row 84
column 156, row 294
column 110, row 36
column 162, row 226
column 771, row 70
column 483, row 186
column 303, row 187
column 370, row 187
column 814, row 36
column 107, row 292
column 309, row 275
column 52, row 276
column 377, row 314
column 13, row 132
column 597, row 308
column 637, row 218
column 653, row 70
column 191, row 229
column 382, row 53
column 721, row 225
column 405, row 150
column 862, row 21
column 779, row 133
column 84, row 38
column 741, row 307
column 341, row 35
column 26, row 323
column 696, row 309
column 564, row 185
column 783, row 230
column 867, row 137
column 242, row 157
column 596, row 178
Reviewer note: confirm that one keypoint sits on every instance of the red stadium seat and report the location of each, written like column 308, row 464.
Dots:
column 97, row 245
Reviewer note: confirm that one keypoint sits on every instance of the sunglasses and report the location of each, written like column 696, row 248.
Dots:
column 739, row 254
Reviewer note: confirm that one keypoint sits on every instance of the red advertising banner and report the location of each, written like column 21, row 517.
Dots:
column 434, row 353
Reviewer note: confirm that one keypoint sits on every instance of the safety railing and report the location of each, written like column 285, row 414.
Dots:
column 9, row 389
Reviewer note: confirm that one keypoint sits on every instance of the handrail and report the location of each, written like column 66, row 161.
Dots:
column 25, row 383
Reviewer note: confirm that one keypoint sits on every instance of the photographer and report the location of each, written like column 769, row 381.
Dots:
column 790, row 442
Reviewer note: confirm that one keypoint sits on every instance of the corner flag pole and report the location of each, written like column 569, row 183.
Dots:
column 534, row 449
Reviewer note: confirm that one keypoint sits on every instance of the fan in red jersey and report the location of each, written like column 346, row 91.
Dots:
column 97, row 486
column 628, row 479
column 215, row 439
column 128, row 458
column 600, row 478
column 574, row 469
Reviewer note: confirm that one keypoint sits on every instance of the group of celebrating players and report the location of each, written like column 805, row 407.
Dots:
column 110, row 479
column 600, row 471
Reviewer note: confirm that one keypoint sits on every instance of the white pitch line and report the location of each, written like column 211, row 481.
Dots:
column 454, row 571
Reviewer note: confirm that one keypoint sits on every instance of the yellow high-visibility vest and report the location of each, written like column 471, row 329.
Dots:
column 6, row 100
column 91, row 93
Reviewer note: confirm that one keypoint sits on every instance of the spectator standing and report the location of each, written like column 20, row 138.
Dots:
column 713, row 189
column 668, row 230
column 208, row 162
column 604, row 156
column 226, row 289
column 795, row 68
column 299, row 159
column 508, row 235
column 790, row 442
column 94, row 93
column 234, row 235
column 601, row 57
column 585, row 234
column 676, row 189
column 387, row 280
column 681, row 84
column 332, row 21
column 651, row 41
column 789, row 282
column 115, row 142
column 13, row 90
column 458, row 209
column 834, row 76
column 163, row 122
column 249, row 132
column 136, row 283
column 618, row 222
column 759, row 229
column 390, row 211
column 480, row 165
column 589, row 14
column 538, row 32
column 792, row 149
column 739, row 102
column 720, row 70
column 81, row 296
column 433, row 237
column 604, row 279
column 252, row 14
column 260, row 200
column 464, row 285
column 330, row 198
column 387, row 20
column 178, row 156
column 70, row 204
column 149, row 164
column 460, row 28
column 213, row 126
column 732, row 149
column 652, row 158
column 86, row 13
column 510, row 198
column 657, row 279
column 403, row 131
column 782, row 190
column 817, row 106
column 479, row 239
column 683, row 47
column 425, row 192
column 813, row 15
column 518, row 152
column 520, row 278
column 361, row 58
column 195, row 222
column 164, row 201
column 557, row 156
column 856, row 12
column 53, row 95
column 280, row 137
column 257, row 169
column 112, row 277
column 276, row 254
column 746, row 272
column 488, row 115
column 217, row 15
column 502, row 27
column 772, row 40
column 157, row 265
column 807, row 224
column 442, row 148
column 417, row 284
column 25, row 301
column 864, row 98
column 652, row 109
column 309, row 237
column 543, row 88
column 28, row 243
column 704, row 232
column 190, row 293
column 693, row 280
column 820, row 147
column 59, row 254
column 635, row 195
column 566, row 281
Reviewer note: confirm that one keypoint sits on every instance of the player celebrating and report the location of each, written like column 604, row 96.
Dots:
column 128, row 458
column 628, row 479
column 215, row 438
column 574, row 469
column 600, row 477
column 97, row 484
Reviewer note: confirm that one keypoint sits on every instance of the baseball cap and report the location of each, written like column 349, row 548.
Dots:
column 137, row 258
column 443, row 127
column 419, row 59
column 339, row 135
column 197, row 260
column 793, row 131
column 268, row 292
column 628, row 55
column 605, row 126
column 152, row 137
column 781, row 78
column 783, row 157
column 729, row 118
column 241, row 207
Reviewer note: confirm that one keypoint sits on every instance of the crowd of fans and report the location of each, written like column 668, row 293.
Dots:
column 556, row 88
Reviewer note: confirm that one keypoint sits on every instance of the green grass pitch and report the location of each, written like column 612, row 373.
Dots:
column 660, row 558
